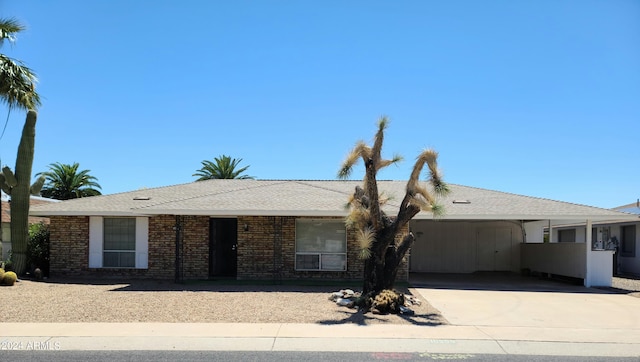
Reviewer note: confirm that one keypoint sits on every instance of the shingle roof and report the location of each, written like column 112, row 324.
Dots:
column 312, row 198
column 5, row 209
column 633, row 208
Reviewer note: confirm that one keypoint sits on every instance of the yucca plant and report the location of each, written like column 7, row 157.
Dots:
column 382, row 246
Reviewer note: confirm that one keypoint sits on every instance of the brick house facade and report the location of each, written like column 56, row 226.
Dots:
column 266, row 250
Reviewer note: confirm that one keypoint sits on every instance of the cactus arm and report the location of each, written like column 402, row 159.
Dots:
column 3, row 185
column 9, row 177
column 36, row 187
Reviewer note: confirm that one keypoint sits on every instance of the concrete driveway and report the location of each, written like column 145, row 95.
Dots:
column 514, row 301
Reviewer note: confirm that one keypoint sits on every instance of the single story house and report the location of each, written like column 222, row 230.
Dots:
column 290, row 229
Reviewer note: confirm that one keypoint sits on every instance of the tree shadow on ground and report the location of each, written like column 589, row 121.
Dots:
column 362, row 319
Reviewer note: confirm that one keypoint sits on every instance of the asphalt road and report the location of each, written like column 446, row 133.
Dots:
column 261, row 356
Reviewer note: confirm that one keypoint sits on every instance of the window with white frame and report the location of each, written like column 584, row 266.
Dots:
column 321, row 245
column 119, row 243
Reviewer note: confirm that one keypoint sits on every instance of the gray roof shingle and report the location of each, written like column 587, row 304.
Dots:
column 312, row 198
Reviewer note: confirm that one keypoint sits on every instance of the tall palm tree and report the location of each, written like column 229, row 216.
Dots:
column 224, row 167
column 64, row 182
column 17, row 81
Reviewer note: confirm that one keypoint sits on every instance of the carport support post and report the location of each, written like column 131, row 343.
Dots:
column 588, row 254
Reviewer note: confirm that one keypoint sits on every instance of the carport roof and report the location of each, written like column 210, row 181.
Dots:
column 312, row 198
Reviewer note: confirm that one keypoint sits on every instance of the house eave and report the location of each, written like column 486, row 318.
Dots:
column 86, row 213
column 335, row 213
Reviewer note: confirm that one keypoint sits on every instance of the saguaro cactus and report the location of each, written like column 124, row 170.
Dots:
column 18, row 187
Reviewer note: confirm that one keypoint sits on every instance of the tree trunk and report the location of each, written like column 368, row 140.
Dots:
column 381, row 268
column 20, row 195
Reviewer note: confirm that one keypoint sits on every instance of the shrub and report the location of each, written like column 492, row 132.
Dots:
column 38, row 247
column 1, row 274
column 8, row 265
column 388, row 301
column 9, row 278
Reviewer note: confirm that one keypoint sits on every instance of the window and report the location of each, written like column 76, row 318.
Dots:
column 628, row 241
column 567, row 236
column 119, row 248
column 321, row 245
column 118, row 242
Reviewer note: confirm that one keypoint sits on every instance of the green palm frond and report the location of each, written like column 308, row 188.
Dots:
column 65, row 181
column 8, row 28
column 17, row 84
column 223, row 167
column 17, row 81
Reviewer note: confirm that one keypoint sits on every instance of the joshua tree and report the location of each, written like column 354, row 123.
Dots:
column 17, row 186
column 382, row 245
column 224, row 167
column 17, row 82
column 64, row 182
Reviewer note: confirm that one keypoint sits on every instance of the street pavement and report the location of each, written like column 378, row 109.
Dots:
column 569, row 321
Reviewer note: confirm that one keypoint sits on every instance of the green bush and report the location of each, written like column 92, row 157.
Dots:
column 38, row 248
column 8, row 265
column 9, row 278
column 1, row 274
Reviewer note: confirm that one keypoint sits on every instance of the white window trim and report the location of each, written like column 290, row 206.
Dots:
column 320, row 254
column 96, row 241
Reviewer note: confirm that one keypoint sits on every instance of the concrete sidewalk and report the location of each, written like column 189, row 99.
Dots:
column 313, row 337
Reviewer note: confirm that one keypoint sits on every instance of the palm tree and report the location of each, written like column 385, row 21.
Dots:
column 64, row 182
column 17, row 81
column 224, row 167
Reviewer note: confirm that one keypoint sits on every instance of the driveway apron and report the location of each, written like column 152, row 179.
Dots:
column 514, row 301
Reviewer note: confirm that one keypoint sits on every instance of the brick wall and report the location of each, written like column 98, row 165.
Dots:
column 69, row 245
column 195, row 247
column 266, row 250
column 69, row 251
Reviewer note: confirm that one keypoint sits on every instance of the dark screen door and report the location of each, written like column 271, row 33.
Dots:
column 223, row 245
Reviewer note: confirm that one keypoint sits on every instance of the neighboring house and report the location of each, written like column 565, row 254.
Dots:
column 628, row 237
column 290, row 229
column 5, row 221
column 620, row 237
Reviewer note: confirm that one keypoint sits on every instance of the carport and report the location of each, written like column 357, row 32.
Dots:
column 489, row 231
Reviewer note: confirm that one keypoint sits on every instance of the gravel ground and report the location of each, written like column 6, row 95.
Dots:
column 627, row 285
column 153, row 301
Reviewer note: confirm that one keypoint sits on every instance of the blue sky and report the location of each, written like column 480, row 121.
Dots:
column 538, row 98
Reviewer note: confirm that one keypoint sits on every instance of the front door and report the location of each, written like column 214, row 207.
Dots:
column 223, row 245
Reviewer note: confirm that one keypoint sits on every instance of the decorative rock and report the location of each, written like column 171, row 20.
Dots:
column 406, row 311
column 334, row 296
